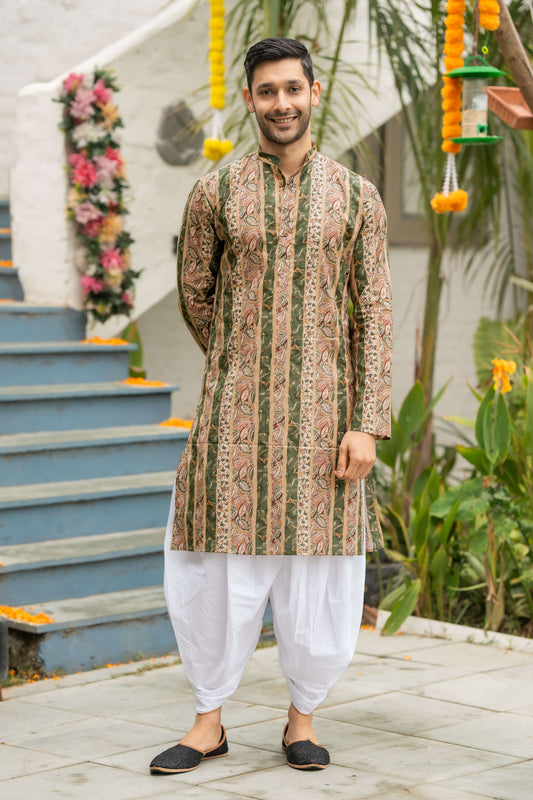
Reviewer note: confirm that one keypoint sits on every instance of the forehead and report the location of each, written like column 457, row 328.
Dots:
column 287, row 70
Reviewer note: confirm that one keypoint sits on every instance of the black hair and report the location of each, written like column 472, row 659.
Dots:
column 277, row 50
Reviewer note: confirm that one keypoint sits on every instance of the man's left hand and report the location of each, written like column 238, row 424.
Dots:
column 357, row 454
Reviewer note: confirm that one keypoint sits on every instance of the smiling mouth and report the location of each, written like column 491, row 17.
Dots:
column 283, row 120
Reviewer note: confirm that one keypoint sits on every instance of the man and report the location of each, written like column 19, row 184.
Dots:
column 273, row 496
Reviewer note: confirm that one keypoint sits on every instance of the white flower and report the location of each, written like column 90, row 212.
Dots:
column 106, row 196
column 80, row 260
column 88, row 132
column 88, row 80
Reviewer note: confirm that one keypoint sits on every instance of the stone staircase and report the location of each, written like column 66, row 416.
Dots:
column 85, row 481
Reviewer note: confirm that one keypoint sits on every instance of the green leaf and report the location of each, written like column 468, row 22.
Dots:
column 484, row 421
column 464, row 421
column 476, row 457
column 411, row 414
column 528, row 429
column 403, row 607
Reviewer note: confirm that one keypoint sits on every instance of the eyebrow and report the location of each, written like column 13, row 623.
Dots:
column 270, row 84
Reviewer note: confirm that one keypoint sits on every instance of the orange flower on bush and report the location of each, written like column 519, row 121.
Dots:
column 500, row 374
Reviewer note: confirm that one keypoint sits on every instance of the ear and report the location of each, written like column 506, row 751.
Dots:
column 248, row 100
column 316, row 88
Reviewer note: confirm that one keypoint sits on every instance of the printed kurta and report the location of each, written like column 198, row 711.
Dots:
column 284, row 284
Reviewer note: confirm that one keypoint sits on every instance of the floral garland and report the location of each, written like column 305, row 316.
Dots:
column 451, row 198
column 216, row 145
column 95, row 200
column 489, row 14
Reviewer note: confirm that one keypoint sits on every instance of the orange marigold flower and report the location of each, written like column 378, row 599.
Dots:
column 500, row 374
column 143, row 382
column 97, row 340
column 21, row 615
column 176, row 422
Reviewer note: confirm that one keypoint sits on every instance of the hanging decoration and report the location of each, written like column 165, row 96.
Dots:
column 451, row 198
column 96, row 198
column 217, row 145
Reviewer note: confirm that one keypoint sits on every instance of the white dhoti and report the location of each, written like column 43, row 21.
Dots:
column 216, row 604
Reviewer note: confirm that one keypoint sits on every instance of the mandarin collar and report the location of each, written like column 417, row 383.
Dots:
column 276, row 160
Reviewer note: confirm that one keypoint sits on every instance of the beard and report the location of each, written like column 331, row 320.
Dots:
column 279, row 136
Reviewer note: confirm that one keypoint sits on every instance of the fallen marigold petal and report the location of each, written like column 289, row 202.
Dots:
column 21, row 615
column 97, row 340
column 142, row 382
column 176, row 422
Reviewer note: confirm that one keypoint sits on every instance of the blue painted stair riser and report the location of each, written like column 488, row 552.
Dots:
column 77, row 463
column 33, row 324
column 80, row 517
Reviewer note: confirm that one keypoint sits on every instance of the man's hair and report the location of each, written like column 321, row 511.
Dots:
column 277, row 50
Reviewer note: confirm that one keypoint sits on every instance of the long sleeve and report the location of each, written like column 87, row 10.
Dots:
column 370, row 289
column 199, row 251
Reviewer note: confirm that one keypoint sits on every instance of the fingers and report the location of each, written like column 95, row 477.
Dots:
column 357, row 455
column 342, row 462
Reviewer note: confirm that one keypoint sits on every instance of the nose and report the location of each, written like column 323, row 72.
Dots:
column 282, row 102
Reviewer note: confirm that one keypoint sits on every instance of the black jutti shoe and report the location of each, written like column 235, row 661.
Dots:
column 182, row 758
column 304, row 754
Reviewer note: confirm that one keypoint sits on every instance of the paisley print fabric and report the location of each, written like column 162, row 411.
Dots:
column 268, row 270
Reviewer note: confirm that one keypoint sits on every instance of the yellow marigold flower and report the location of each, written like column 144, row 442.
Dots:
column 110, row 114
column 176, row 422
column 500, row 374
column 110, row 229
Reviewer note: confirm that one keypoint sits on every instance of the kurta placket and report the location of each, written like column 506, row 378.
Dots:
column 267, row 266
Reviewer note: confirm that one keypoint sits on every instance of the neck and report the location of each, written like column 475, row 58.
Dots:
column 291, row 156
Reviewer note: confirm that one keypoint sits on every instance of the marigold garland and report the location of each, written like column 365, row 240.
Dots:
column 489, row 14
column 216, row 145
column 451, row 198
column 96, row 199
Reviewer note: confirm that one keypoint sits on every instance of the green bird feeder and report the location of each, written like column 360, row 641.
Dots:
column 475, row 106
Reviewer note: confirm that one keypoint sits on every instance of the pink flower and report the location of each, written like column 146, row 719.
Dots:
column 92, row 228
column 114, row 155
column 112, row 259
column 72, row 82
column 127, row 297
column 91, row 284
column 83, row 171
column 82, row 105
column 106, row 169
column 86, row 212
column 101, row 93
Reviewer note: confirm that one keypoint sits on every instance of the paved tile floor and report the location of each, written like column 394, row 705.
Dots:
column 413, row 717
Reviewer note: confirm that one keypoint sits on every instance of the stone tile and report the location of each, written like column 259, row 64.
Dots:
column 333, row 735
column 408, row 757
column 20, row 717
column 16, row 762
column 491, row 691
column 239, row 760
column 392, row 674
column 179, row 716
column 468, row 657
column 104, row 699
column 90, row 781
column 273, row 693
column 403, row 713
column 430, row 792
column 283, row 782
column 370, row 642
column 511, row 734
column 91, row 738
column 511, row 782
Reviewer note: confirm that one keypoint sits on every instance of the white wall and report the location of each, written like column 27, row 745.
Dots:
column 43, row 38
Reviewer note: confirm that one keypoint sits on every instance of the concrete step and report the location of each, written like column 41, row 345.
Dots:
column 75, row 455
column 4, row 214
column 5, row 244
column 25, row 409
column 53, row 363
column 10, row 286
column 95, row 630
column 76, row 567
column 62, row 510
column 23, row 322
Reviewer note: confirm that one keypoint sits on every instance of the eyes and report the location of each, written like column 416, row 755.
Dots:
column 291, row 90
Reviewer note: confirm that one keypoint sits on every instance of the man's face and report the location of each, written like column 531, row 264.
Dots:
column 282, row 99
